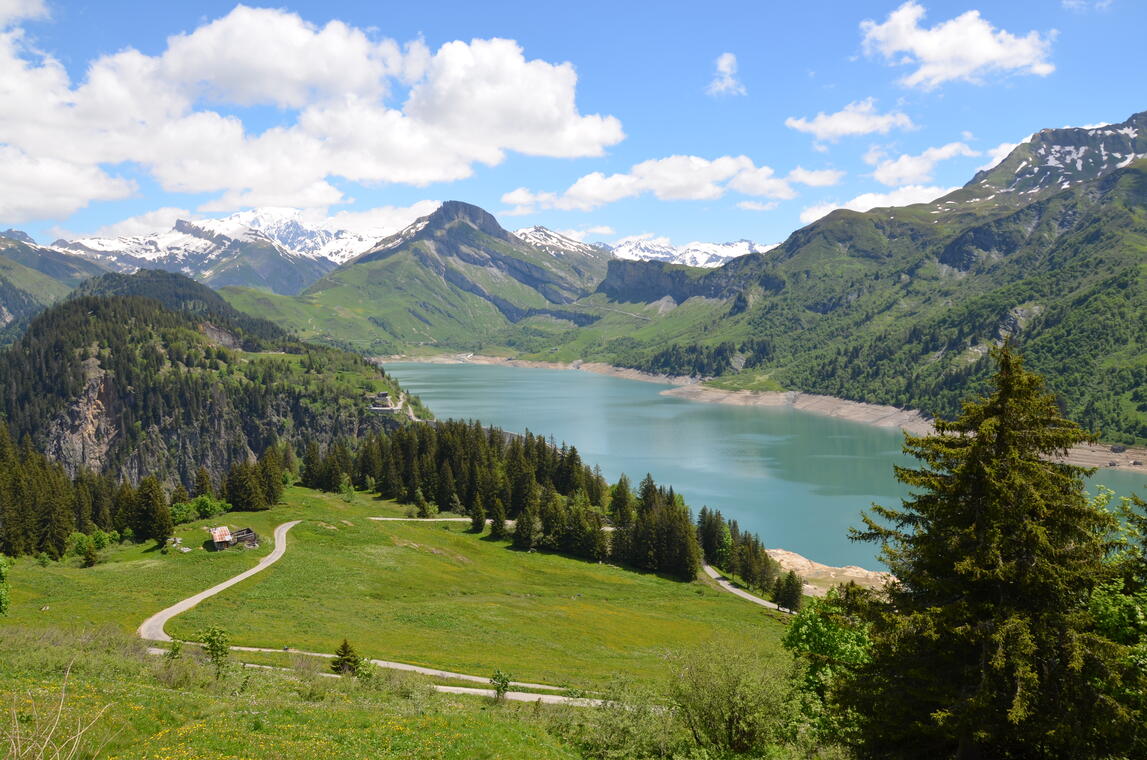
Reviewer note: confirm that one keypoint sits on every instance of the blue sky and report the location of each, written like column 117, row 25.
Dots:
column 692, row 121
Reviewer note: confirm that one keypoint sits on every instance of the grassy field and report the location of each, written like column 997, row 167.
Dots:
column 425, row 593
column 146, row 708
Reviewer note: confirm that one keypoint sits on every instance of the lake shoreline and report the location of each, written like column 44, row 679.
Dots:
column 818, row 577
column 1097, row 455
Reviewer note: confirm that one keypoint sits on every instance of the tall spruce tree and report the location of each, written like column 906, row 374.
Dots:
column 153, row 519
column 497, row 519
column 203, row 485
column 984, row 647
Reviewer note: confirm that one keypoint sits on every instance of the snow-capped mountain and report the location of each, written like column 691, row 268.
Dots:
column 1055, row 159
column 289, row 227
column 696, row 254
column 217, row 252
column 644, row 248
column 555, row 243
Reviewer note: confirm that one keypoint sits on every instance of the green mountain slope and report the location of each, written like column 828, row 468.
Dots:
column 122, row 385
column 895, row 306
column 33, row 277
column 454, row 278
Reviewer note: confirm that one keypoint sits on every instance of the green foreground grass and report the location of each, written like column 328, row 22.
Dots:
column 146, row 708
column 429, row 594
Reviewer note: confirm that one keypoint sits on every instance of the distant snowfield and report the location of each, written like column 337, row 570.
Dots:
column 647, row 248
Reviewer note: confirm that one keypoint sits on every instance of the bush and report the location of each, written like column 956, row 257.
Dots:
column 730, row 698
column 79, row 544
column 202, row 507
column 501, row 683
column 102, row 540
column 631, row 722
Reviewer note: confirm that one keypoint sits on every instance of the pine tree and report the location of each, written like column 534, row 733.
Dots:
column 984, row 645
column 528, row 528
column 478, row 516
column 244, row 488
column 497, row 519
column 153, row 516
column 179, row 495
column 203, row 485
column 346, row 660
column 621, row 503
column 424, row 507
column 270, row 475
column 791, row 592
column 312, row 465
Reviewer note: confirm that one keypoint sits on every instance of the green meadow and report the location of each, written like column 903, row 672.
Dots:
column 142, row 707
column 430, row 594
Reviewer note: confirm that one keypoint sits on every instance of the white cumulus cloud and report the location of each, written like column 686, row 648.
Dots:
column 381, row 220
column 901, row 196
column 41, row 187
column 756, row 205
column 816, row 177
column 1086, row 5
column 157, row 220
column 600, row 230
column 670, row 178
column 176, row 115
column 725, row 80
column 857, row 118
column 997, row 154
column 965, row 48
column 18, row 10
column 916, row 170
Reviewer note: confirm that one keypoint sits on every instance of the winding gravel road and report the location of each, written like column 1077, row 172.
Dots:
column 713, row 573
column 152, row 628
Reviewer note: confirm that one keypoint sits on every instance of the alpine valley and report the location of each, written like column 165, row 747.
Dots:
column 893, row 306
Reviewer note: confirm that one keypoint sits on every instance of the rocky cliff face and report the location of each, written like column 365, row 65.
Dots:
column 649, row 281
column 80, row 436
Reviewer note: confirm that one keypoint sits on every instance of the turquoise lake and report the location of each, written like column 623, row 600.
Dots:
column 797, row 479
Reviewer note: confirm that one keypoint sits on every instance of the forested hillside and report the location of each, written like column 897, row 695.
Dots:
column 123, row 386
column 899, row 308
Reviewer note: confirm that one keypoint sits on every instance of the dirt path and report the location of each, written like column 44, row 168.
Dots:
column 387, row 664
column 724, row 583
column 152, row 628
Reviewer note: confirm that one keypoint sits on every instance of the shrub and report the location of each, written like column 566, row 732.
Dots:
column 501, row 683
column 217, row 646
column 730, row 698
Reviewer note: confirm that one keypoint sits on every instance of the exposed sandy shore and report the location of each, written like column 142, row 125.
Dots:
column 871, row 414
column 1091, row 455
column 820, row 578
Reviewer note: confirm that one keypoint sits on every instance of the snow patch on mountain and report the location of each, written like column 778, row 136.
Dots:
column 696, row 254
column 554, row 243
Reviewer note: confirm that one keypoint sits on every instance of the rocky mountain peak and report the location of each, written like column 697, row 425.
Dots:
column 1055, row 159
column 18, row 235
column 457, row 211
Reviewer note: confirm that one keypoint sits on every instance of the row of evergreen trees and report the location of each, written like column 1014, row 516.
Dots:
column 41, row 507
column 726, row 546
column 556, row 501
